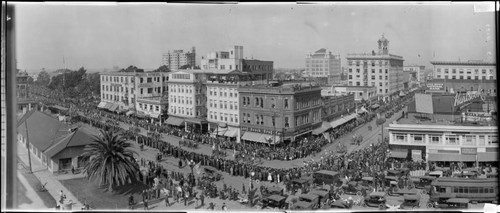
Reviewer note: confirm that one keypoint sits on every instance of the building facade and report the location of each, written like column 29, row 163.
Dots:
column 187, row 100
column 336, row 106
column 417, row 72
column 278, row 113
column 470, row 70
column 486, row 87
column 259, row 70
column 178, row 58
column 381, row 70
column 224, row 60
column 367, row 93
column 24, row 101
column 323, row 64
column 120, row 90
column 153, row 107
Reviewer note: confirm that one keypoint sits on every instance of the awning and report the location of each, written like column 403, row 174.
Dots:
column 261, row 138
column 154, row 115
column 129, row 112
column 343, row 120
column 120, row 111
column 487, row 156
column 196, row 120
column 231, row 132
column 374, row 106
column 324, row 126
column 221, row 131
column 108, row 105
column 175, row 121
column 101, row 105
column 398, row 154
column 362, row 110
column 113, row 107
column 60, row 108
column 401, row 93
column 451, row 157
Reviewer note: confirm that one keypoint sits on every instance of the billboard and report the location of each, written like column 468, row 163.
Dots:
column 435, row 86
column 423, row 103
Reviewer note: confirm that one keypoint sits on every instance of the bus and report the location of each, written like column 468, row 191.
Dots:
column 326, row 176
column 479, row 189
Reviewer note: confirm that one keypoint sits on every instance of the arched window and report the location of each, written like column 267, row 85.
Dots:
column 257, row 101
column 261, row 103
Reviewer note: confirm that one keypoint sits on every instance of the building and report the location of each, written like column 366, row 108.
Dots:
column 453, row 133
column 224, row 60
column 152, row 107
column 470, row 70
column 367, row 93
column 53, row 143
column 323, row 64
column 24, row 101
column 277, row 113
column 381, row 70
column 187, row 100
column 335, row 106
column 417, row 72
column 486, row 87
column 120, row 90
column 259, row 70
column 176, row 59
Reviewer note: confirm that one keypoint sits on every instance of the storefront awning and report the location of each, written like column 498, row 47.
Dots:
column 343, row 120
column 221, row 131
column 324, row 127
column 231, row 132
column 154, row 115
column 362, row 110
column 129, row 112
column 487, row 156
column 108, row 105
column 374, row 106
column 101, row 105
column 113, row 107
column 398, row 154
column 451, row 157
column 60, row 108
column 175, row 121
column 261, row 138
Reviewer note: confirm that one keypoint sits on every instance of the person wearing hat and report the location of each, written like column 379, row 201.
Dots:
column 224, row 207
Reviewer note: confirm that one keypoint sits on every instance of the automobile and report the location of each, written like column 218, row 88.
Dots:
column 395, row 173
column 455, row 203
column 274, row 191
column 435, row 201
column 394, row 191
column 410, row 202
column 389, row 179
column 211, row 174
column 307, row 202
column 425, row 183
column 353, row 188
column 274, row 201
column 322, row 194
column 436, row 174
column 340, row 204
column 466, row 175
column 376, row 199
column 367, row 182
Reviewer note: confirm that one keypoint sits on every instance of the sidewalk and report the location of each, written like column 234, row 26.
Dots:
column 30, row 193
column 53, row 186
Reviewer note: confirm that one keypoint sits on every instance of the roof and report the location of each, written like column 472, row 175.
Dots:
column 219, row 71
column 276, row 197
column 468, row 63
column 81, row 137
column 309, row 196
column 43, row 130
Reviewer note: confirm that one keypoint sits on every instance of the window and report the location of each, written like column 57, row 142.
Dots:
column 286, row 103
column 400, row 138
column 350, row 76
column 418, row 138
column 157, row 108
column 438, row 70
column 492, row 140
column 286, row 122
column 452, row 140
column 470, row 139
column 446, row 71
column 274, row 121
column 435, row 139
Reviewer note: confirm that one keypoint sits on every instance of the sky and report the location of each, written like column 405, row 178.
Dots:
column 120, row 35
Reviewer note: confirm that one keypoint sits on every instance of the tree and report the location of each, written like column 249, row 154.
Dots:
column 187, row 66
column 380, row 121
column 43, row 78
column 111, row 160
column 162, row 68
column 130, row 68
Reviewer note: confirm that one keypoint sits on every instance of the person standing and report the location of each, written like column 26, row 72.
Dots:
column 167, row 202
column 145, row 201
column 202, row 198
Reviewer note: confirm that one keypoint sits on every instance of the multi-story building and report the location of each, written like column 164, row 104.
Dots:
column 335, row 106
column 153, row 107
column 417, row 72
column 187, row 100
column 178, row 58
column 323, row 64
column 120, row 90
column 276, row 113
column 224, row 60
column 469, row 135
column 381, row 70
column 24, row 101
column 470, row 70
column 367, row 93
column 259, row 70
column 486, row 87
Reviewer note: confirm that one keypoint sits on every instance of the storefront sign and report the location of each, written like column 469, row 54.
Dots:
column 435, row 86
column 476, row 116
column 416, row 155
column 462, row 98
column 469, row 151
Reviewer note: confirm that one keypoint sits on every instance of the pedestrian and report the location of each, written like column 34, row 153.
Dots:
column 202, row 198
column 72, row 170
column 167, row 202
column 145, row 204
column 224, row 207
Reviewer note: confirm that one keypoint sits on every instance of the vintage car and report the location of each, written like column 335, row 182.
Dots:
column 274, row 191
column 435, row 201
column 395, row 173
column 322, row 193
column 340, row 204
column 391, row 180
column 410, row 202
column 211, row 174
column 376, row 199
column 394, row 191
column 367, row 182
column 425, row 183
column 307, row 202
column 353, row 188
column 274, row 201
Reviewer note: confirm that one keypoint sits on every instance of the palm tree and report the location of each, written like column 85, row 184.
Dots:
column 111, row 160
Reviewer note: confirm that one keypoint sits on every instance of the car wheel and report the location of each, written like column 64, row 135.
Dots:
column 381, row 207
column 359, row 193
column 429, row 206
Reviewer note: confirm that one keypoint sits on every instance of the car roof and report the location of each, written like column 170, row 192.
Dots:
column 276, row 198
column 381, row 194
column 274, row 189
column 309, row 196
column 319, row 192
column 302, row 204
column 367, row 178
column 327, row 172
column 412, row 197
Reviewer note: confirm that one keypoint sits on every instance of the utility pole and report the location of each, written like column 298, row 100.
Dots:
column 27, row 144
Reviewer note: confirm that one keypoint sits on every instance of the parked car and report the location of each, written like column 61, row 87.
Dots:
column 376, row 199
column 307, row 202
column 340, row 204
column 410, row 202
column 274, row 201
column 455, row 203
column 353, row 188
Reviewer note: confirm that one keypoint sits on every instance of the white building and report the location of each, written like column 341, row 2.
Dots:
column 178, row 58
column 381, row 70
column 120, row 90
column 368, row 93
column 152, row 107
column 472, row 69
column 323, row 64
column 187, row 100
column 224, row 60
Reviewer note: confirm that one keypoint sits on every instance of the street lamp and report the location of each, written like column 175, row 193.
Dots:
column 191, row 165
column 250, row 192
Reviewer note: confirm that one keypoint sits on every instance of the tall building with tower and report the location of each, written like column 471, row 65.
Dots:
column 178, row 58
column 379, row 69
